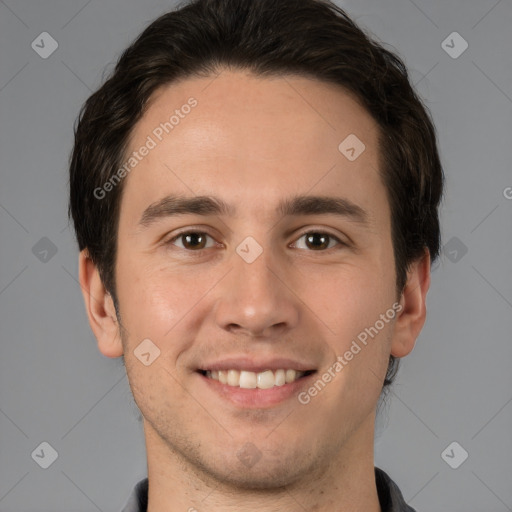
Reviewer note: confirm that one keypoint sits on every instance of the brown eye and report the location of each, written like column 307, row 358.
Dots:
column 191, row 240
column 319, row 240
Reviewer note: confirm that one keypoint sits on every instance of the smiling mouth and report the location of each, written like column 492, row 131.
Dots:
column 252, row 380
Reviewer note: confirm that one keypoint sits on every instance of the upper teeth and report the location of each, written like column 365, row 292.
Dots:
column 251, row 380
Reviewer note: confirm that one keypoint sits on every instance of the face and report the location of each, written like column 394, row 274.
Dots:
column 270, row 282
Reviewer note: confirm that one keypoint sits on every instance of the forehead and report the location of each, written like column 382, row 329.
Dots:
column 243, row 137
column 242, row 105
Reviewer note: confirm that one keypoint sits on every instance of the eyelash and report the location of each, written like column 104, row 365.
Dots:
column 309, row 232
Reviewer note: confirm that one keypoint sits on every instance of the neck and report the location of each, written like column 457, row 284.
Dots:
column 341, row 481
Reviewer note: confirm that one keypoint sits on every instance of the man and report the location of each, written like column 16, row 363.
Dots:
column 255, row 193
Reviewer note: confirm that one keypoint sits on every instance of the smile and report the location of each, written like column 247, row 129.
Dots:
column 251, row 380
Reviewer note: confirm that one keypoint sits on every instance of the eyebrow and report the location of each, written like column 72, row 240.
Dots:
column 172, row 205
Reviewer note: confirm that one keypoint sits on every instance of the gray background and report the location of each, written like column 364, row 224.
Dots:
column 56, row 387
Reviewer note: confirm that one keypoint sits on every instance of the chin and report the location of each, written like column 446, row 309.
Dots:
column 262, row 478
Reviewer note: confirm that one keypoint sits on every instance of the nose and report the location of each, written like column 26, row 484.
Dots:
column 257, row 299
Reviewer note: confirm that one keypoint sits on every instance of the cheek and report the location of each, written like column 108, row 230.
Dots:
column 353, row 296
column 350, row 304
column 151, row 303
column 165, row 304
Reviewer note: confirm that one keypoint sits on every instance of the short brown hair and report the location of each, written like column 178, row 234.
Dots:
column 310, row 38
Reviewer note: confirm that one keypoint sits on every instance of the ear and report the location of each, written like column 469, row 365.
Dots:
column 412, row 316
column 99, row 307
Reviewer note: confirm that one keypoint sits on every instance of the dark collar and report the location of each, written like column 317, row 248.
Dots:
column 390, row 497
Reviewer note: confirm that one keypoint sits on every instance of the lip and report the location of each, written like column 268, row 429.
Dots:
column 251, row 364
column 255, row 398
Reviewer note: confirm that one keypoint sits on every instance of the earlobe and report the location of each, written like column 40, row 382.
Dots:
column 412, row 316
column 99, row 307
